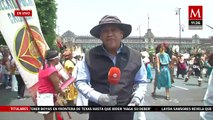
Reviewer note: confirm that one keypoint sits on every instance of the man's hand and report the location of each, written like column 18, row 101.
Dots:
column 134, row 102
column 107, row 100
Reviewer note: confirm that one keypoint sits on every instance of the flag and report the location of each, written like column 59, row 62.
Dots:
column 25, row 40
column 20, row 42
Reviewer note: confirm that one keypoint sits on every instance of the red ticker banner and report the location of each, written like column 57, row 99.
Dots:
column 14, row 108
column 106, row 108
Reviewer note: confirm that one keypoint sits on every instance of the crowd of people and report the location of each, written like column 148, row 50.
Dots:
column 91, row 72
column 9, row 74
column 177, row 64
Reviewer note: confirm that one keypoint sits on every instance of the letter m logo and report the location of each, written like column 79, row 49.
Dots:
column 195, row 12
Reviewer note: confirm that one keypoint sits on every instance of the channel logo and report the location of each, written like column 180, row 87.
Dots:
column 195, row 16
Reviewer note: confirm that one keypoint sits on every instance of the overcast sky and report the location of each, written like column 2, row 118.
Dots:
column 79, row 16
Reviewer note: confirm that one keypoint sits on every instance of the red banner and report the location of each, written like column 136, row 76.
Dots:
column 14, row 108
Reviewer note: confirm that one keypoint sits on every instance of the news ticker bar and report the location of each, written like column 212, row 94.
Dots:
column 106, row 108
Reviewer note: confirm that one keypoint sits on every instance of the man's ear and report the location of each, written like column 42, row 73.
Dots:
column 122, row 34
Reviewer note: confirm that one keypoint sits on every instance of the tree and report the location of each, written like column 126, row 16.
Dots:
column 47, row 16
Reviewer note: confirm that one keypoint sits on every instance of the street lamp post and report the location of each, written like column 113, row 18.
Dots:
column 178, row 13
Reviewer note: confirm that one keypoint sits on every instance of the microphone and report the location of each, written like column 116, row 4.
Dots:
column 114, row 75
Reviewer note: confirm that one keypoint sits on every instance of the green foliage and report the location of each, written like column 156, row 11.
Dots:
column 2, row 41
column 47, row 16
column 54, row 46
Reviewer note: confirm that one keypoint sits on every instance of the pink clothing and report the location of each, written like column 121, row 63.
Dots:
column 44, row 83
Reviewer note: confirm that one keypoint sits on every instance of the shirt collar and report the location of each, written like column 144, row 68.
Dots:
column 118, row 51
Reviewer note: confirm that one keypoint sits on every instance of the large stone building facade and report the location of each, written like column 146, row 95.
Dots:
column 141, row 42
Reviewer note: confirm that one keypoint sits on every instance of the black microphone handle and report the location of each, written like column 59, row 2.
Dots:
column 111, row 89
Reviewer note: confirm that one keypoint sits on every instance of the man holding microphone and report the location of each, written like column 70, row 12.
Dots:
column 102, row 86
